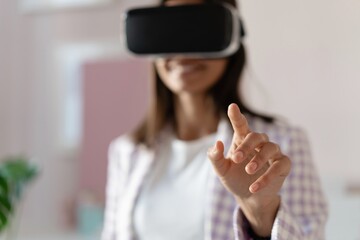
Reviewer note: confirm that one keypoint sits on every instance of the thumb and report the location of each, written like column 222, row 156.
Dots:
column 219, row 162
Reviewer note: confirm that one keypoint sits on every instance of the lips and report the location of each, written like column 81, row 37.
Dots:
column 182, row 69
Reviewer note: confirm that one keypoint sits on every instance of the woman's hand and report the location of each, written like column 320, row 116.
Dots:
column 253, row 170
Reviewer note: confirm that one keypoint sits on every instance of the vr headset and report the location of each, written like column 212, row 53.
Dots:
column 210, row 30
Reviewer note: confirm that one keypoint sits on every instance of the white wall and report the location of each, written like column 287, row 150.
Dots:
column 306, row 54
column 31, row 101
column 305, row 66
column 304, row 58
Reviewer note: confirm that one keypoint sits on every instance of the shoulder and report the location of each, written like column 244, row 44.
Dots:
column 122, row 143
column 279, row 127
column 127, row 142
column 124, row 151
column 120, row 151
column 280, row 131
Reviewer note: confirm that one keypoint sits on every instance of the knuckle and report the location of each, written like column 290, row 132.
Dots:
column 273, row 147
column 255, row 136
column 276, row 147
column 285, row 164
column 245, row 148
column 277, row 167
column 210, row 154
column 288, row 162
column 252, row 134
column 265, row 137
column 234, row 146
column 261, row 158
column 264, row 179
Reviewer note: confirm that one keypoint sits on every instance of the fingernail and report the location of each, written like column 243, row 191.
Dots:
column 214, row 150
column 211, row 151
column 254, row 187
column 251, row 167
column 238, row 156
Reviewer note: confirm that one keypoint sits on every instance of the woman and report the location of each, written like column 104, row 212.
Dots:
column 256, row 181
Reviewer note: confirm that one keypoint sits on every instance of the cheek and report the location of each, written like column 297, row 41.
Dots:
column 160, row 66
column 215, row 70
column 165, row 75
column 161, row 69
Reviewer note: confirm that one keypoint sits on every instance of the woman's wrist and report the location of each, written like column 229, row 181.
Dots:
column 260, row 215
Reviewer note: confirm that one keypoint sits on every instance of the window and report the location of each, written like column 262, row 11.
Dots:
column 69, row 61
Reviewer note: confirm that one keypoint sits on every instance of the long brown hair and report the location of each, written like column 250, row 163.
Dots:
column 224, row 92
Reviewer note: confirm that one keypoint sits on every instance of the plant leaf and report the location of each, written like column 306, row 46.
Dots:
column 3, row 185
column 15, row 174
column 3, row 221
column 5, row 203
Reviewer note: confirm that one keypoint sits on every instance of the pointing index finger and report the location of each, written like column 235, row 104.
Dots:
column 238, row 121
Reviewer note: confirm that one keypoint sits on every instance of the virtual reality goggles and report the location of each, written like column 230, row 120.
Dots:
column 210, row 30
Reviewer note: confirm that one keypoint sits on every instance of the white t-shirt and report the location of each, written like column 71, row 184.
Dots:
column 171, row 203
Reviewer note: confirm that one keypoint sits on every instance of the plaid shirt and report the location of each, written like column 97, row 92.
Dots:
column 303, row 209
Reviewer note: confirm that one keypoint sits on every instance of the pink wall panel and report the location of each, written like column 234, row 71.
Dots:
column 115, row 95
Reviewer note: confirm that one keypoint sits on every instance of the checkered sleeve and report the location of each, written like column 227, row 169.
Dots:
column 108, row 232
column 115, row 178
column 303, row 210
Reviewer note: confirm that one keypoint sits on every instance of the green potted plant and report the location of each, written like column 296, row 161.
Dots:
column 15, row 174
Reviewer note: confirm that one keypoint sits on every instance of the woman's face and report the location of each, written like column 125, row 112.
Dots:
column 189, row 75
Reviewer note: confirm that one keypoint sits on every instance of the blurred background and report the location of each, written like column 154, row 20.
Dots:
column 67, row 87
